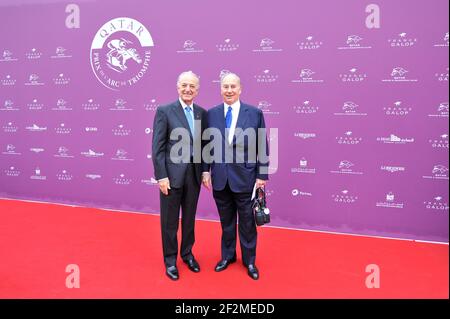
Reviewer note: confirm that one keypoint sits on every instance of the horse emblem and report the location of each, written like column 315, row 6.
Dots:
column 119, row 54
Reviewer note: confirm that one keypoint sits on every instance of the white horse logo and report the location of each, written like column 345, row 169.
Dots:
column 119, row 54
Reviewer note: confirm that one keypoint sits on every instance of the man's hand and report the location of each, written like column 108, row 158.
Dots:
column 164, row 186
column 206, row 180
column 260, row 183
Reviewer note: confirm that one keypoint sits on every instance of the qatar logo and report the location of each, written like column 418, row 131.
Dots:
column 120, row 53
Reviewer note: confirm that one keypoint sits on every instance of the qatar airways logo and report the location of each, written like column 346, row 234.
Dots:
column 60, row 53
column 190, row 46
column 7, row 56
column 120, row 53
column 400, row 74
column 354, row 41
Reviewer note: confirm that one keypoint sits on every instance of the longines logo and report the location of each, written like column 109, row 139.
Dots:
column 92, row 153
column 352, row 76
column 120, row 53
column 402, row 41
column 306, row 108
column 189, row 46
column 60, row 53
column 34, row 105
column 10, row 128
column 93, row 176
column 305, row 136
column 438, row 203
column 350, row 108
column 441, row 110
column 37, row 150
column 390, row 202
column 7, row 56
column 309, row 43
column 354, row 42
column 441, row 142
column 392, row 169
column 344, row 197
column 397, row 109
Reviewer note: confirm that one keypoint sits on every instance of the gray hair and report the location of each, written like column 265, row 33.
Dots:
column 230, row 74
column 190, row 73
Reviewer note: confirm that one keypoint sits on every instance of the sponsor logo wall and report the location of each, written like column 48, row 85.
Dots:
column 358, row 93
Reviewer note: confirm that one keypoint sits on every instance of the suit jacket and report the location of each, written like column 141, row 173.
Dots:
column 242, row 172
column 168, row 120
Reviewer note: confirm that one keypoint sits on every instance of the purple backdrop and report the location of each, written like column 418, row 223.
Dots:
column 358, row 93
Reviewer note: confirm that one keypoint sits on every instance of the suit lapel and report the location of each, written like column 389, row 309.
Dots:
column 221, row 121
column 179, row 112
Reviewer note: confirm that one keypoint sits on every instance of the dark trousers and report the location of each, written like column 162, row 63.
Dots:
column 186, row 198
column 230, row 205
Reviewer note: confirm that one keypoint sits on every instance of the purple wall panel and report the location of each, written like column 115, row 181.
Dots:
column 366, row 156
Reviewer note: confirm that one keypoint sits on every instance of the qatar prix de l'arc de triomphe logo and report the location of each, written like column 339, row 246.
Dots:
column 120, row 53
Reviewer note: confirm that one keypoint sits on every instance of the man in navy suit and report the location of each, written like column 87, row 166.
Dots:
column 235, row 172
column 176, row 154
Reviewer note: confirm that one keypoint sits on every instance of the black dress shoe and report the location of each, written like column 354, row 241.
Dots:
column 253, row 272
column 192, row 264
column 172, row 272
column 223, row 264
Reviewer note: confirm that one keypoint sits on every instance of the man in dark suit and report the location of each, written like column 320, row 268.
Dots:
column 241, row 166
column 176, row 153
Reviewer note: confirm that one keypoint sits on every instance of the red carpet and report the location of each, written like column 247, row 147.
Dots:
column 119, row 256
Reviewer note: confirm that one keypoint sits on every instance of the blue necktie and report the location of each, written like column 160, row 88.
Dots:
column 187, row 112
column 228, row 118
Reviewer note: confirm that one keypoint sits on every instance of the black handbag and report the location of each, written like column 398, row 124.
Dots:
column 260, row 210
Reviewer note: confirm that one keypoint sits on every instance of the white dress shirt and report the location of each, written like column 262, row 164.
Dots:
column 235, row 107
